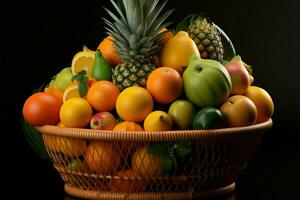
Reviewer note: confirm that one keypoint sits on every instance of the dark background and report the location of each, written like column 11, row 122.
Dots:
column 40, row 38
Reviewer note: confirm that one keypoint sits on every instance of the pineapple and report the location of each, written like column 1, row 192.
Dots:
column 207, row 37
column 137, row 39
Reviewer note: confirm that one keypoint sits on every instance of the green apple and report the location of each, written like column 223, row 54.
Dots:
column 182, row 113
column 206, row 82
column 63, row 79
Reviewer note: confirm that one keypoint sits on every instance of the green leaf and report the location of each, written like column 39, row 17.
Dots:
column 167, row 165
column 183, row 25
column 76, row 77
column 183, row 148
column 82, row 88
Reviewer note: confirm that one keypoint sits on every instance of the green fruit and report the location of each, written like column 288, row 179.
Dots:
column 101, row 69
column 208, row 118
column 182, row 113
column 206, row 82
column 63, row 79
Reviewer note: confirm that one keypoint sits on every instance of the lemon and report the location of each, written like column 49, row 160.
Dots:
column 71, row 92
column 76, row 113
column 158, row 121
column 83, row 60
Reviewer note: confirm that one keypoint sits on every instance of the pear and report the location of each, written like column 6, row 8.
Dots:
column 101, row 69
column 63, row 79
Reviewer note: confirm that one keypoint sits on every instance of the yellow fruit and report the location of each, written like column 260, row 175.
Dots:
column 263, row 102
column 134, row 104
column 177, row 51
column 76, row 113
column 71, row 92
column 83, row 60
column 146, row 164
column 70, row 147
column 102, row 157
column 158, row 121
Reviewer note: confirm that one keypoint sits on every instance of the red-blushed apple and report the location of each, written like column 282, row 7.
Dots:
column 239, row 111
column 239, row 75
column 103, row 121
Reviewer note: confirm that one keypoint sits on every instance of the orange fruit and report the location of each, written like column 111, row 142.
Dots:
column 54, row 91
column 164, row 84
column 168, row 36
column 71, row 92
column 91, row 81
column 127, row 181
column 103, row 96
column 70, row 147
column 128, row 126
column 177, row 51
column 76, row 113
column 146, row 164
column 134, row 104
column 263, row 102
column 83, row 60
column 102, row 157
column 109, row 52
column 158, row 121
column 37, row 112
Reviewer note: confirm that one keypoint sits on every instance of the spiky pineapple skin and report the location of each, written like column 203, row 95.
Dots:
column 132, row 74
column 207, row 39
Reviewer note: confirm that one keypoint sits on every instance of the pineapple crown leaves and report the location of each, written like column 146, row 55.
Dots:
column 135, row 30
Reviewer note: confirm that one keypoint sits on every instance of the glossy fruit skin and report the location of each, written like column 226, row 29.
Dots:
column 102, row 157
column 128, row 126
column 134, row 104
column 103, row 121
column 206, row 82
column 101, row 69
column 208, row 118
column 146, row 164
column 63, row 79
column 158, row 121
column 182, row 113
column 177, row 51
column 263, row 102
column 76, row 113
column 164, row 84
column 36, row 109
column 103, row 95
column 239, row 76
column 109, row 52
column 239, row 111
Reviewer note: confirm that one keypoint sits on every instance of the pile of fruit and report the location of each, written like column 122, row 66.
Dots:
column 145, row 77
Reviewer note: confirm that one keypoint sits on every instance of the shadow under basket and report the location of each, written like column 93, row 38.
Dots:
column 98, row 164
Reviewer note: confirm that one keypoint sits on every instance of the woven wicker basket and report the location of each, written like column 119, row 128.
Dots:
column 217, row 158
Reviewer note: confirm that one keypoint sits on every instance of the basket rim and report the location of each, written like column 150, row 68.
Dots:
column 178, row 135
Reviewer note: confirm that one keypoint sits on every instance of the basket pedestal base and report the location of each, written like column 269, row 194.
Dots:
column 98, row 195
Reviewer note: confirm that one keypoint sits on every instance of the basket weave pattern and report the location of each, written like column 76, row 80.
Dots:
column 217, row 158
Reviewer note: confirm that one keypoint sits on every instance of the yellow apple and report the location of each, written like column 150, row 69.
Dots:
column 239, row 111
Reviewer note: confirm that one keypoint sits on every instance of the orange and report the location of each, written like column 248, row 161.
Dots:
column 164, row 84
column 76, row 113
column 83, row 60
column 168, row 36
column 128, row 126
column 177, row 51
column 70, row 147
column 263, row 102
column 102, row 157
column 54, row 91
column 103, row 96
column 37, row 112
column 146, row 164
column 109, row 52
column 158, row 121
column 134, row 104
column 126, row 181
